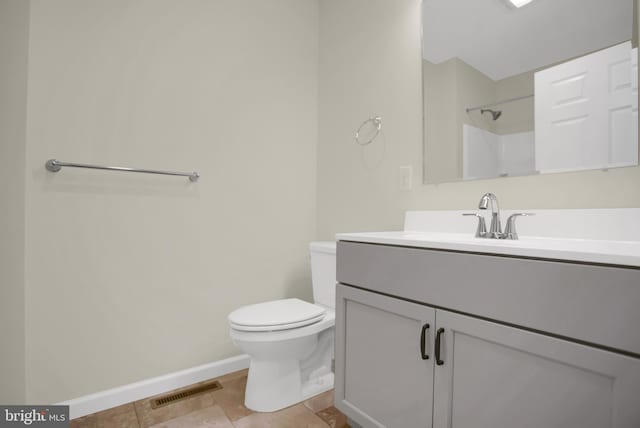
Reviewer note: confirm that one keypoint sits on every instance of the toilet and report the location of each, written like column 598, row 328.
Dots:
column 290, row 341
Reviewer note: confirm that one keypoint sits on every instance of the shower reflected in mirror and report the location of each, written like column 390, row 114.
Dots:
column 505, row 99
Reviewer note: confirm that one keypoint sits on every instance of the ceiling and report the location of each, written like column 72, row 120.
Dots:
column 501, row 41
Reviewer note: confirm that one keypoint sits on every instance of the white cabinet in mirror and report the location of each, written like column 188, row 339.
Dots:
column 503, row 98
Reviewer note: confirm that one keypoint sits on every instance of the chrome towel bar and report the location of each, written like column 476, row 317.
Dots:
column 55, row 165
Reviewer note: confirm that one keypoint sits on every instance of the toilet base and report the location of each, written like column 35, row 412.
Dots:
column 275, row 384
column 272, row 385
column 284, row 387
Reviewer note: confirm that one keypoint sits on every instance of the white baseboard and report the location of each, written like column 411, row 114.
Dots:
column 103, row 400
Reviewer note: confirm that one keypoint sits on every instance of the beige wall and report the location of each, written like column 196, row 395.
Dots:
column 369, row 65
column 634, row 36
column 373, row 66
column 517, row 116
column 130, row 276
column 474, row 89
column 14, row 39
column 441, row 121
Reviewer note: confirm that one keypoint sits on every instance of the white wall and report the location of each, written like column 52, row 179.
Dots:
column 481, row 153
column 130, row 276
column 371, row 64
column 14, row 33
column 489, row 155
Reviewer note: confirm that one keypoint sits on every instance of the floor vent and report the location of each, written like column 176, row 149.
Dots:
column 165, row 400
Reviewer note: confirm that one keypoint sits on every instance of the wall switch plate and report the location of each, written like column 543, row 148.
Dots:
column 406, row 177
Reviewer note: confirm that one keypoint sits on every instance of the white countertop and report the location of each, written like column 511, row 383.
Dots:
column 584, row 250
column 446, row 235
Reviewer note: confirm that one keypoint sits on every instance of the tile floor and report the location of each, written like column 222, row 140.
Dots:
column 223, row 408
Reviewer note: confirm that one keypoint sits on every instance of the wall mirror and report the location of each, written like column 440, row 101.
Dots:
column 522, row 87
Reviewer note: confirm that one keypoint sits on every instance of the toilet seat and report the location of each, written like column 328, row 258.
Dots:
column 327, row 321
column 276, row 315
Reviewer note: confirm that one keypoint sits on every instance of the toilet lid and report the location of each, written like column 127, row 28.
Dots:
column 276, row 315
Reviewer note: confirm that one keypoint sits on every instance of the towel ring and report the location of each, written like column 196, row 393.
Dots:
column 377, row 121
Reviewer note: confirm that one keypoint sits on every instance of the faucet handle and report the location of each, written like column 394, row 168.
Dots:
column 481, row 231
column 510, row 230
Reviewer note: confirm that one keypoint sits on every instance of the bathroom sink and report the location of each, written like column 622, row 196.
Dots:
column 560, row 235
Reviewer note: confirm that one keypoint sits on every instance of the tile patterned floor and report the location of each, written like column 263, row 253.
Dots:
column 223, row 408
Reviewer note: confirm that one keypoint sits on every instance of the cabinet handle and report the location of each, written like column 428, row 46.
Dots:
column 423, row 342
column 438, row 334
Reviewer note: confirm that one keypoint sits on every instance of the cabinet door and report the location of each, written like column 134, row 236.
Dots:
column 498, row 376
column 382, row 379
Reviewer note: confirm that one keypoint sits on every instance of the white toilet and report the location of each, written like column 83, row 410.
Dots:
column 290, row 341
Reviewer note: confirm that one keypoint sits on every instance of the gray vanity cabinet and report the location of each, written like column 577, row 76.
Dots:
column 491, row 372
column 495, row 375
column 383, row 378
column 490, row 375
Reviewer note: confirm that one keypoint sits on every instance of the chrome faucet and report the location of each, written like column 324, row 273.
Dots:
column 510, row 231
column 495, row 230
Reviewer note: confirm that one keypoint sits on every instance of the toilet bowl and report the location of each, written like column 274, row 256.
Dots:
column 290, row 341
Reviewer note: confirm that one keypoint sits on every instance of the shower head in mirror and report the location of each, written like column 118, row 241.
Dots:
column 495, row 114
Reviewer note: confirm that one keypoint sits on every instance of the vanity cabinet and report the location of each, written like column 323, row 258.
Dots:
column 499, row 376
column 487, row 373
column 386, row 378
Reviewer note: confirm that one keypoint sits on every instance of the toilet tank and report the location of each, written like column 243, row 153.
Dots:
column 323, row 272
